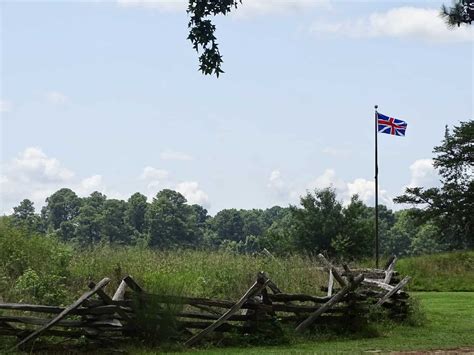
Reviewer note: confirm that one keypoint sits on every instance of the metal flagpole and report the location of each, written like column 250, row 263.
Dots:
column 376, row 192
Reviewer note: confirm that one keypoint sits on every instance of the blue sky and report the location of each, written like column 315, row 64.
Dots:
column 106, row 96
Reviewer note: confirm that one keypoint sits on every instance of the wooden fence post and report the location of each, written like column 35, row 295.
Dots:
column 64, row 313
column 337, row 297
column 328, row 266
column 256, row 287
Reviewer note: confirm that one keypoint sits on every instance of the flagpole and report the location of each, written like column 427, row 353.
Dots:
column 376, row 192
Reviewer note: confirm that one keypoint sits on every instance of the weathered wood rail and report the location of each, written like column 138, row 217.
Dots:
column 99, row 317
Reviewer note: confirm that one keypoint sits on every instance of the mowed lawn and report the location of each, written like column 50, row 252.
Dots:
column 449, row 325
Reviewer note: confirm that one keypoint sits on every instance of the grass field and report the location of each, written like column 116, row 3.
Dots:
column 449, row 324
column 440, row 272
column 42, row 270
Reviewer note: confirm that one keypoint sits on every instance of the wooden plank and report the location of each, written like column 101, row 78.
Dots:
column 286, row 297
column 272, row 286
column 389, row 261
column 66, row 323
column 120, row 292
column 41, row 321
column 107, row 300
column 50, row 332
column 349, row 274
column 225, row 327
column 389, row 271
column 207, row 309
column 31, row 307
column 378, row 283
column 390, row 293
column 255, row 288
column 328, row 266
column 337, row 297
column 55, row 310
column 64, row 313
column 330, row 283
column 132, row 284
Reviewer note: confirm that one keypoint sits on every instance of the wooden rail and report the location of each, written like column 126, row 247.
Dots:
column 100, row 317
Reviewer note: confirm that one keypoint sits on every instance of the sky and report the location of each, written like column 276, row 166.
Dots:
column 106, row 96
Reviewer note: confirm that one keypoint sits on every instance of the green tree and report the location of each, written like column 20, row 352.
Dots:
column 461, row 12
column 24, row 216
column 170, row 220
column 426, row 240
column 254, row 224
column 201, row 31
column 356, row 238
column 136, row 211
column 88, row 226
column 228, row 224
column 89, row 221
column 114, row 228
column 279, row 238
column 60, row 207
column 400, row 236
column 24, row 211
column 318, row 222
column 451, row 207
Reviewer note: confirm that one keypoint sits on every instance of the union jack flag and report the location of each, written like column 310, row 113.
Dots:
column 390, row 125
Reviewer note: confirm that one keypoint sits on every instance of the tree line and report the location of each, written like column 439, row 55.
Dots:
column 320, row 223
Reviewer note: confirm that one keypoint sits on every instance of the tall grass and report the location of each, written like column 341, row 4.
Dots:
column 35, row 268
column 196, row 273
column 440, row 272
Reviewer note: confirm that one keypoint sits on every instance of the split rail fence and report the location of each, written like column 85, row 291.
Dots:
column 105, row 319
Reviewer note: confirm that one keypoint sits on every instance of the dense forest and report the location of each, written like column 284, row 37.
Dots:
column 442, row 219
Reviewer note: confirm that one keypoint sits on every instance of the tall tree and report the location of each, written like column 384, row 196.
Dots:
column 356, row 238
column 114, row 228
column 24, row 210
column 452, row 205
column 60, row 207
column 228, row 224
column 169, row 221
column 318, row 221
column 24, row 215
column 136, row 210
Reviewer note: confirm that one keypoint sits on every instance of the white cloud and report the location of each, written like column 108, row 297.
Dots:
column 160, row 5
column 266, row 7
column 192, row 192
column 5, row 106
column 280, row 189
column 92, row 183
column 275, row 181
column 150, row 173
column 344, row 189
column 327, row 179
column 158, row 179
column 35, row 175
column 56, row 98
column 173, row 155
column 34, row 165
column 246, row 9
column 423, row 174
column 403, row 22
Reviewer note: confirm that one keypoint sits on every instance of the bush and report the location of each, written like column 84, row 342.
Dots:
column 34, row 267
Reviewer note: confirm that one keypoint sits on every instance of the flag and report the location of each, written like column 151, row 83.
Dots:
column 390, row 125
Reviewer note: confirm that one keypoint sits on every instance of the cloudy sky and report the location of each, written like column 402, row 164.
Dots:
column 106, row 96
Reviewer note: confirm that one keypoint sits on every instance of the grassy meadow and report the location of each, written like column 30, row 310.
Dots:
column 448, row 324
column 40, row 269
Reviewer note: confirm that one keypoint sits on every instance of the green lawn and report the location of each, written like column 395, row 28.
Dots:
column 449, row 325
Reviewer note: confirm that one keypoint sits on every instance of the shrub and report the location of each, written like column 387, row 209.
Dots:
column 34, row 267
